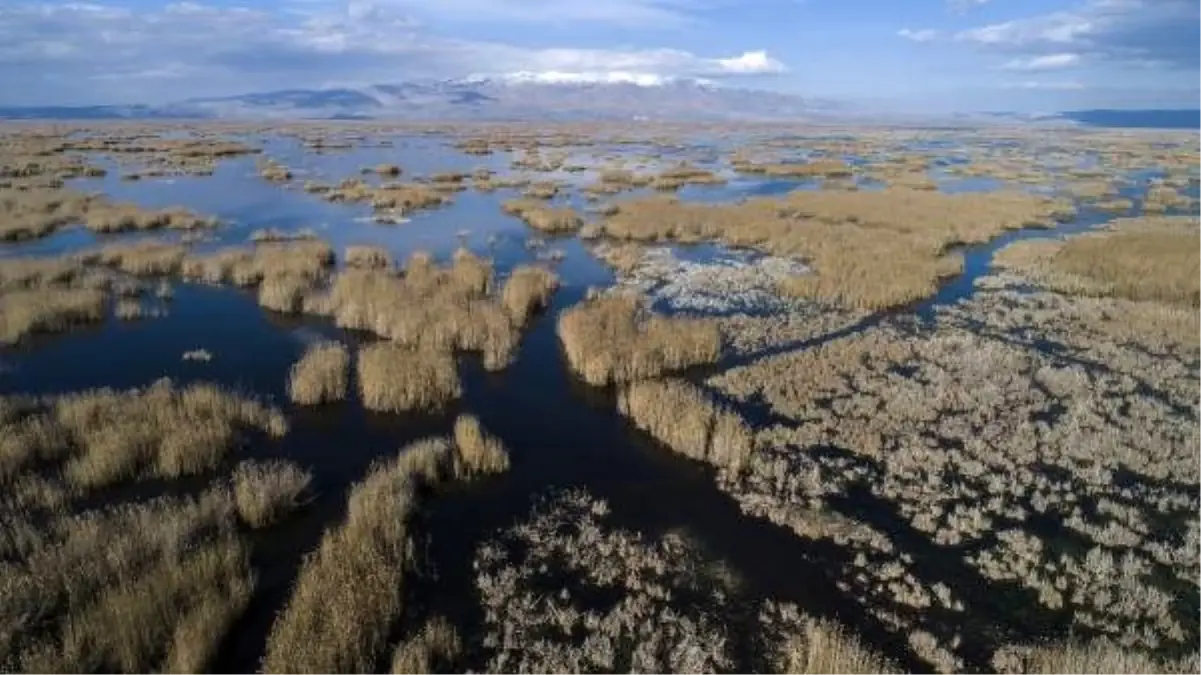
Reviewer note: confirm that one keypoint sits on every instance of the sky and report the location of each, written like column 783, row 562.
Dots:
column 905, row 55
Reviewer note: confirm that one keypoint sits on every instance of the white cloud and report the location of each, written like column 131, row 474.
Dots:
column 1045, row 86
column 72, row 53
column 921, row 35
column 750, row 63
column 1044, row 62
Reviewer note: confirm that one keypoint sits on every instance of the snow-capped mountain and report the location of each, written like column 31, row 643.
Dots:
column 525, row 95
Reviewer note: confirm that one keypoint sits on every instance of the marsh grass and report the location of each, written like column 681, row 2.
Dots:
column 611, row 340
column 350, row 591
column 294, row 266
column 552, row 220
column 868, row 250
column 142, row 258
column 429, row 307
column 687, row 420
column 101, row 437
column 478, row 451
column 833, row 168
column 433, row 649
column 1138, row 259
column 394, row 378
column 527, row 290
column 43, row 310
column 321, row 375
column 151, row 586
column 368, row 257
column 1100, row 656
column 265, row 491
column 811, row 646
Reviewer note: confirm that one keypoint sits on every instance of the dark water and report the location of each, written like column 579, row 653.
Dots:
column 1137, row 119
column 560, row 432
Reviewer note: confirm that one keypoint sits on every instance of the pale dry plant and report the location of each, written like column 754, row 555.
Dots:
column 321, row 375
column 266, row 491
column 608, row 340
column 395, row 378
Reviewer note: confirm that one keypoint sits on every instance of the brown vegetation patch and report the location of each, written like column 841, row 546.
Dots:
column 321, row 375
column 544, row 218
column 1157, row 259
column 394, row 378
column 527, row 290
column 831, row 168
column 612, row 340
column 45, row 310
column 687, row 420
column 368, row 257
column 264, row 492
column 868, row 249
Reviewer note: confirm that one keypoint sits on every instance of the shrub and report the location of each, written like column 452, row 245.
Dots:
column 320, row 375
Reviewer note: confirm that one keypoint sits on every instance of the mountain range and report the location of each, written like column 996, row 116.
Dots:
column 513, row 98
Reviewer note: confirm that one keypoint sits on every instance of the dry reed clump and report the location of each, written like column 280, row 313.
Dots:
column 527, row 290
column 102, row 436
column 274, row 172
column 796, row 643
column 264, row 235
column 387, row 170
column 30, row 272
column 321, row 375
column 368, row 257
column 478, row 451
column 850, row 239
column 350, row 590
column 685, row 174
column 542, row 190
column 1138, row 260
column 829, row 168
column 264, row 492
column 1096, row 657
column 151, row 586
column 141, row 258
column 395, row 197
column 607, row 340
column 284, row 292
column 429, row 307
column 122, row 217
column 433, row 649
column 687, row 420
column 299, row 259
column 36, row 212
column 544, row 218
column 44, row 310
column 393, row 378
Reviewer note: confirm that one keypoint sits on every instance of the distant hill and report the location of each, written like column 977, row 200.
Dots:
column 514, row 98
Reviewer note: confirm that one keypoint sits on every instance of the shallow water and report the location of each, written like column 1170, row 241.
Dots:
column 560, row 432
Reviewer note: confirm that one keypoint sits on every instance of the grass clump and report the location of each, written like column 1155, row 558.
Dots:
column 151, row 586
column 684, row 418
column 45, row 310
column 433, row 649
column 141, row 259
column 321, row 375
column 544, row 218
column 394, row 378
column 478, row 451
column 1096, row 657
column 831, row 168
column 109, row 217
column 264, row 492
column 527, row 290
column 102, row 437
column 802, row 644
column 368, row 257
column 1142, row 259
column 608, row 340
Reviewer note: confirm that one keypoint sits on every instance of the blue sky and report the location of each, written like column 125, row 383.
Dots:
column 912, row 55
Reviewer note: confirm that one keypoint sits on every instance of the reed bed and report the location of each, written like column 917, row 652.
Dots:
column 868, row 250
column 687, row 420
column 527, row 290
column 350, row 592
column 103, row 437
column 47, row 310
column 368, row 257
column 321, row 375
column 611, row 340
column 266, row 491
column 140, row 587
column 394, row 378
column 428, row 307
column 1142, row 259
column 552, row 220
